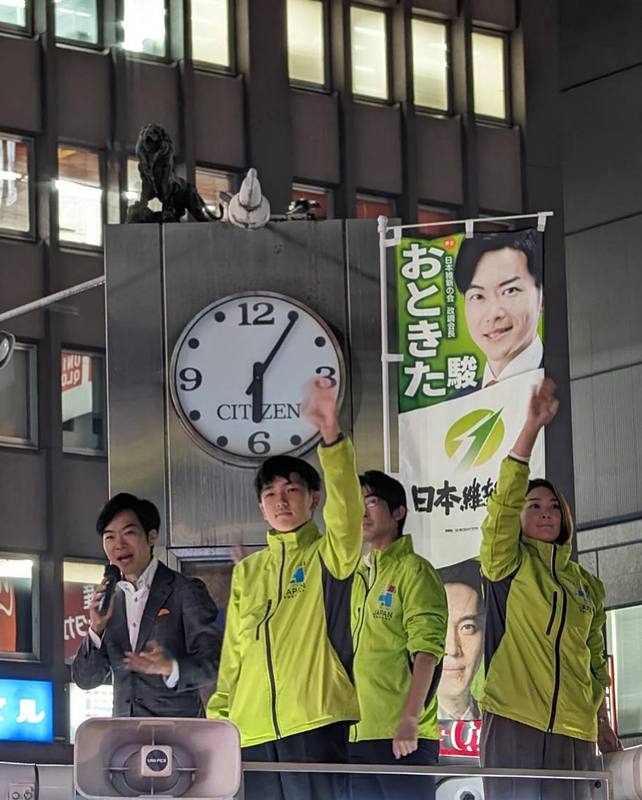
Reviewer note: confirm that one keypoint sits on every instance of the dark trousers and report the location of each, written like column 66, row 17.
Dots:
column 392, row 787
column 326, row 745
column 506, row 743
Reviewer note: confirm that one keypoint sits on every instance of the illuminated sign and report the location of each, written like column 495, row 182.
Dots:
column 88, row 703
column 26, row 711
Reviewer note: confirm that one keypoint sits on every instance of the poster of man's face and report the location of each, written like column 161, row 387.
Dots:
column 502, row 307
column 500, row 278
column 464, row 642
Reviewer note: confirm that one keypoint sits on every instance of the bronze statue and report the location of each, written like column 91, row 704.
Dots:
column 155, row 153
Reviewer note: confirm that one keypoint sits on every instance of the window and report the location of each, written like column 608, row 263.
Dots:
column 15, row 213
column 314, row 194
column 306, row 41
column 369, row 47
column 13, row 12
column 211, row 32
column 430, row 64
column 80, row 581
column 18, row 398
column 430, row 214
column 211, row 182
column 489, row 75
column 18, row 603
column 371, row 207
column 623, row 627
column 80, row 197
column 144, row 24
column 77, row 20
column 134, row 183
column 82, row 383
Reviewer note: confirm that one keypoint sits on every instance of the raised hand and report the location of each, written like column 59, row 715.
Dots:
column 543, row 405
column 319, row 407
column 542, row 408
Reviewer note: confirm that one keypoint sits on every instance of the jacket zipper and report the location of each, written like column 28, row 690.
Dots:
column 363, row 606
column 552, row 619
column 265, row 616
column 268, row 645
column 558, row 640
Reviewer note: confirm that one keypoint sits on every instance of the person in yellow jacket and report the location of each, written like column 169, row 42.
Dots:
column 286, row 665
column 399, row 621
column 543, row 701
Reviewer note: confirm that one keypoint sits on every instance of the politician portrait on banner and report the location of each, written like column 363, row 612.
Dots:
column 470, row 329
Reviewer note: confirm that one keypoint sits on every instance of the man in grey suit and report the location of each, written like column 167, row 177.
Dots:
column 158, row 636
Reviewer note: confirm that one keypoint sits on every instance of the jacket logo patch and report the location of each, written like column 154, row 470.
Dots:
column 586, row 604
column 386, row 601
column 299, row 575
column 297, row 583
column 584, row 593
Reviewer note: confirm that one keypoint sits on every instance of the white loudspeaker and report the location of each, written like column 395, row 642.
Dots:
column 127, row 757
column 626, row 769
column 467, row 788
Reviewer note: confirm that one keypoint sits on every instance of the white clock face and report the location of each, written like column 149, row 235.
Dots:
column 238, row 374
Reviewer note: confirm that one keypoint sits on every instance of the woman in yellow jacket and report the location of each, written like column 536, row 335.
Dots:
column 546, row 674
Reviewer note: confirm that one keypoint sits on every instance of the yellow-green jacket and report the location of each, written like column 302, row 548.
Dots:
column 287, row 653
column 544, row 646
column 398, row 609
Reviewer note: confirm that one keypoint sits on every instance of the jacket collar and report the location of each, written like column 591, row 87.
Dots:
column 394, row 552
column 545, row 551
column 293, row 540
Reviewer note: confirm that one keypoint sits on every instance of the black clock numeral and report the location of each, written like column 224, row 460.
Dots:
column 263, row 312
column 190, row 375
column 259, row 447
column 329, row 373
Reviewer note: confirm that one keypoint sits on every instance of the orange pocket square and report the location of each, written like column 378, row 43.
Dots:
column 164, row 612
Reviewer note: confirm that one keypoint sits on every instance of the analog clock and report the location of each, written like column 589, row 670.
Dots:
column 238, row 373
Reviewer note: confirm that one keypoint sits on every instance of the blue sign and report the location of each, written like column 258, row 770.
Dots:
column 26, row 711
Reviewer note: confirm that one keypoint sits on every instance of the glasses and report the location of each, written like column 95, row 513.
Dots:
column 370, row 501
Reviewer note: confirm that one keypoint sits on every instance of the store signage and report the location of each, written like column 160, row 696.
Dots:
column 26, row 710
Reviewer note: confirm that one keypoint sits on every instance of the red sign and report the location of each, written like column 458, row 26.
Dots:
column 459, row 737
column 8, row 626
column 76, row 623
column 75, row 370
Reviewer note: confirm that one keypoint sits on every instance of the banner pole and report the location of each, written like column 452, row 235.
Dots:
column 44, row 302
column 382, row 228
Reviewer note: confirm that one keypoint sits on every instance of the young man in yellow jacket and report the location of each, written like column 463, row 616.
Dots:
column 399, row 620
column 286, row 666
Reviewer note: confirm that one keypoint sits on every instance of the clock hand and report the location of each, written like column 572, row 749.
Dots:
column 292, row 317
column 256, row 390
column 259, row 369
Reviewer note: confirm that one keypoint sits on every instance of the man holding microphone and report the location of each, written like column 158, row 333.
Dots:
column 157, row 635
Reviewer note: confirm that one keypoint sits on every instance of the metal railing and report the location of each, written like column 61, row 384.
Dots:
column 599, row 782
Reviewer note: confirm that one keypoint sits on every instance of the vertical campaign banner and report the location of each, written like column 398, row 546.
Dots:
column 470, row 333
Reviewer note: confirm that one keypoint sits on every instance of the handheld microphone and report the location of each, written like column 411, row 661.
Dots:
column 112, row 573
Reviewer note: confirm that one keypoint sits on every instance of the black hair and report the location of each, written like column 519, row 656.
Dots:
column 466, row 572
column 387, row 489
column 145, row 510
column 528, row 242
column 283, row 467
column 567, row 525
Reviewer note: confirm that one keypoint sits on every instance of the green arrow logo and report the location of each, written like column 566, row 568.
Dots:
column 478, row 435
